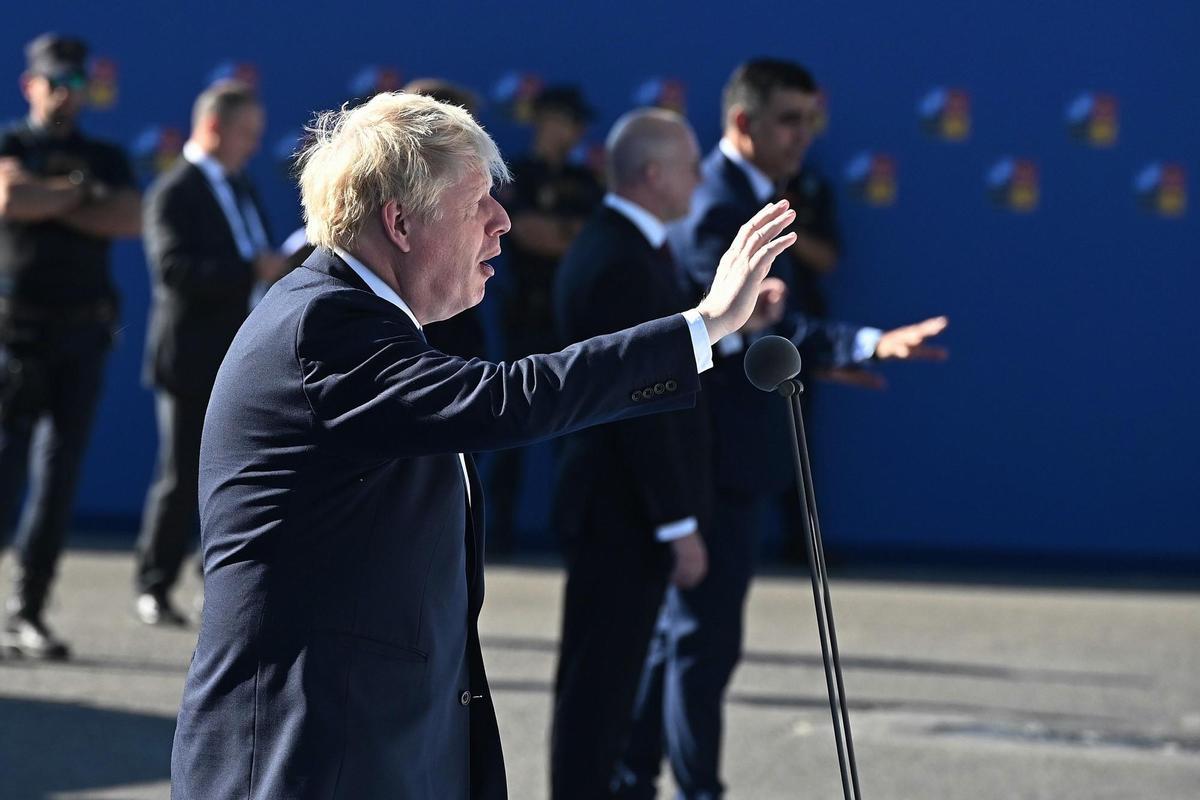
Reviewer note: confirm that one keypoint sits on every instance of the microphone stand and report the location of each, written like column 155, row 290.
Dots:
column 792, row 389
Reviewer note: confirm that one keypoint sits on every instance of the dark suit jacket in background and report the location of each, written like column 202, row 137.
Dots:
column 656, row 466
column 201, row 282
column 338, row 655
column 752, row 454
column 616, row 484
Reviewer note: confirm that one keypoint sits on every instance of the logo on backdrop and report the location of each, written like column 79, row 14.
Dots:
column 1162, row 189
column 373, row 79
column 514, row 94
column 1014, row 185
column 669, row 93
column 872, row 178
column 102, row 84
column 240, row 71
column 155, row 150
column 946, row 114
column 1093, row 119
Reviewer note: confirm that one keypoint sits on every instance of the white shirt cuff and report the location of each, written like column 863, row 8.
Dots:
column 676, row 530
column 701, row 345
column 865, row 342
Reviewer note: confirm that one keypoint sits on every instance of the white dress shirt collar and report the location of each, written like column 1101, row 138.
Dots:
column 211, row 168
column 650, row 226
column 376, row 284
column 763, row 187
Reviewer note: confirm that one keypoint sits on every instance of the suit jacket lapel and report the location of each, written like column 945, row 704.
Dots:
column 736, row 180
column 215, row 212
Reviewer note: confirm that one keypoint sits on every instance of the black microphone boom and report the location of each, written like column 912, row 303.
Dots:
column 772, row 364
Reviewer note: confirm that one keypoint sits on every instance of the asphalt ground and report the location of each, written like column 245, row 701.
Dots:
column 973, row 686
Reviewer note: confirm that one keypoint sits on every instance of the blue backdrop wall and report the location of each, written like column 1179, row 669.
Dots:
column 1021, row 166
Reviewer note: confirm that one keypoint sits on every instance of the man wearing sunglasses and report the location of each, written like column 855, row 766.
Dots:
column 63, row 198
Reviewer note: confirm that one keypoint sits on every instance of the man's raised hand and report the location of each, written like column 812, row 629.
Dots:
column 734, row 290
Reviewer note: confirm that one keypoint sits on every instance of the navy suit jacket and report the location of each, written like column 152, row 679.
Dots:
column 654, row 468
column 752, row 455
column 338, row 655
column 201, row 282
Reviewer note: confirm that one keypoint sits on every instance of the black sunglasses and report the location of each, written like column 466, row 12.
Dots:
column 75, row 82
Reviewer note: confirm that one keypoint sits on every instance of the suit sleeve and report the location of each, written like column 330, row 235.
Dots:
column 182, row 258
column 656, row 450
column 377, row 389
column 820, row 342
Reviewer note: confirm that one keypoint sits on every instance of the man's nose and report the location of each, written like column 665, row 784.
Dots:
column 500, row 223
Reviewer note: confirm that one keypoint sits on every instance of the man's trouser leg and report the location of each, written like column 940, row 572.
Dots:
column 169, row 518
column 616, row 578
column 704, row 644
column 74, row 378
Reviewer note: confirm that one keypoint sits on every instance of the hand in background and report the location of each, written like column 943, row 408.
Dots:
column 269, row 266
column 908, row 342
column 691, row 561
column 769, row 308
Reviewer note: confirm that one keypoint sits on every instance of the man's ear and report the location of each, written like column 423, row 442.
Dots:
column 740, row 120
column 395, row 224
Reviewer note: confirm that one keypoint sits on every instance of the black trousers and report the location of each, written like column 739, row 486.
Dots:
column 170, row 520
column 697, row 645
column 616, row 577
column 51, row 376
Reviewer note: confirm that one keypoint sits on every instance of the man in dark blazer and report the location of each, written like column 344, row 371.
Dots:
column 207, row 243
column 341, row 522
column 769, row 108
column 632, row 497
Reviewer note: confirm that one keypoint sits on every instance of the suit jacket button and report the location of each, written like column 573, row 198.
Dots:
column 647, row 393
column 672, row 386
column 635, row 396
column 465, row 698
column 659, row 388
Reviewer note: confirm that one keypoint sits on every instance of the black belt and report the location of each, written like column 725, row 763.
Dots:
column 100, row 311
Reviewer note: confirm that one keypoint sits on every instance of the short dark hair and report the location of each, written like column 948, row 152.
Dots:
column 223, row 99
column 751, row 84
column 54, row 55
column 445, row 92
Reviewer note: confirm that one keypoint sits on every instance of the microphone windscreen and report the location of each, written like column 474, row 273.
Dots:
column 770, row 361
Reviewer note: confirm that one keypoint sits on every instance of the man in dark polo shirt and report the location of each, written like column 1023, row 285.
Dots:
column 549, row 199
column 63, row 198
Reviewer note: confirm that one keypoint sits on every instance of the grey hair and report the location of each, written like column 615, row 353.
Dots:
column 396, row 146
column 223, row 99
column 638, row 138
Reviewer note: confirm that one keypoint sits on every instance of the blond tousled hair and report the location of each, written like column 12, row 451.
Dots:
column 396, row 146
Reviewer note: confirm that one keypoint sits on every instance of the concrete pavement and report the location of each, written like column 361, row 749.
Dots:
column 957, row 690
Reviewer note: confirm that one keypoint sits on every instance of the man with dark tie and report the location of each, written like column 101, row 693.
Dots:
column 632, row 500
column 64, row 197
column 630, row 495
column 769, row 107
column 207, row 244
column 341, row 515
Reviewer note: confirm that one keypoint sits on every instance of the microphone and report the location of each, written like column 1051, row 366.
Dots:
column 771, row 363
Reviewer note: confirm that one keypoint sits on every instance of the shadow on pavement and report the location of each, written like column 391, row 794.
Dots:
column 48, row 746
column 888, row 664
